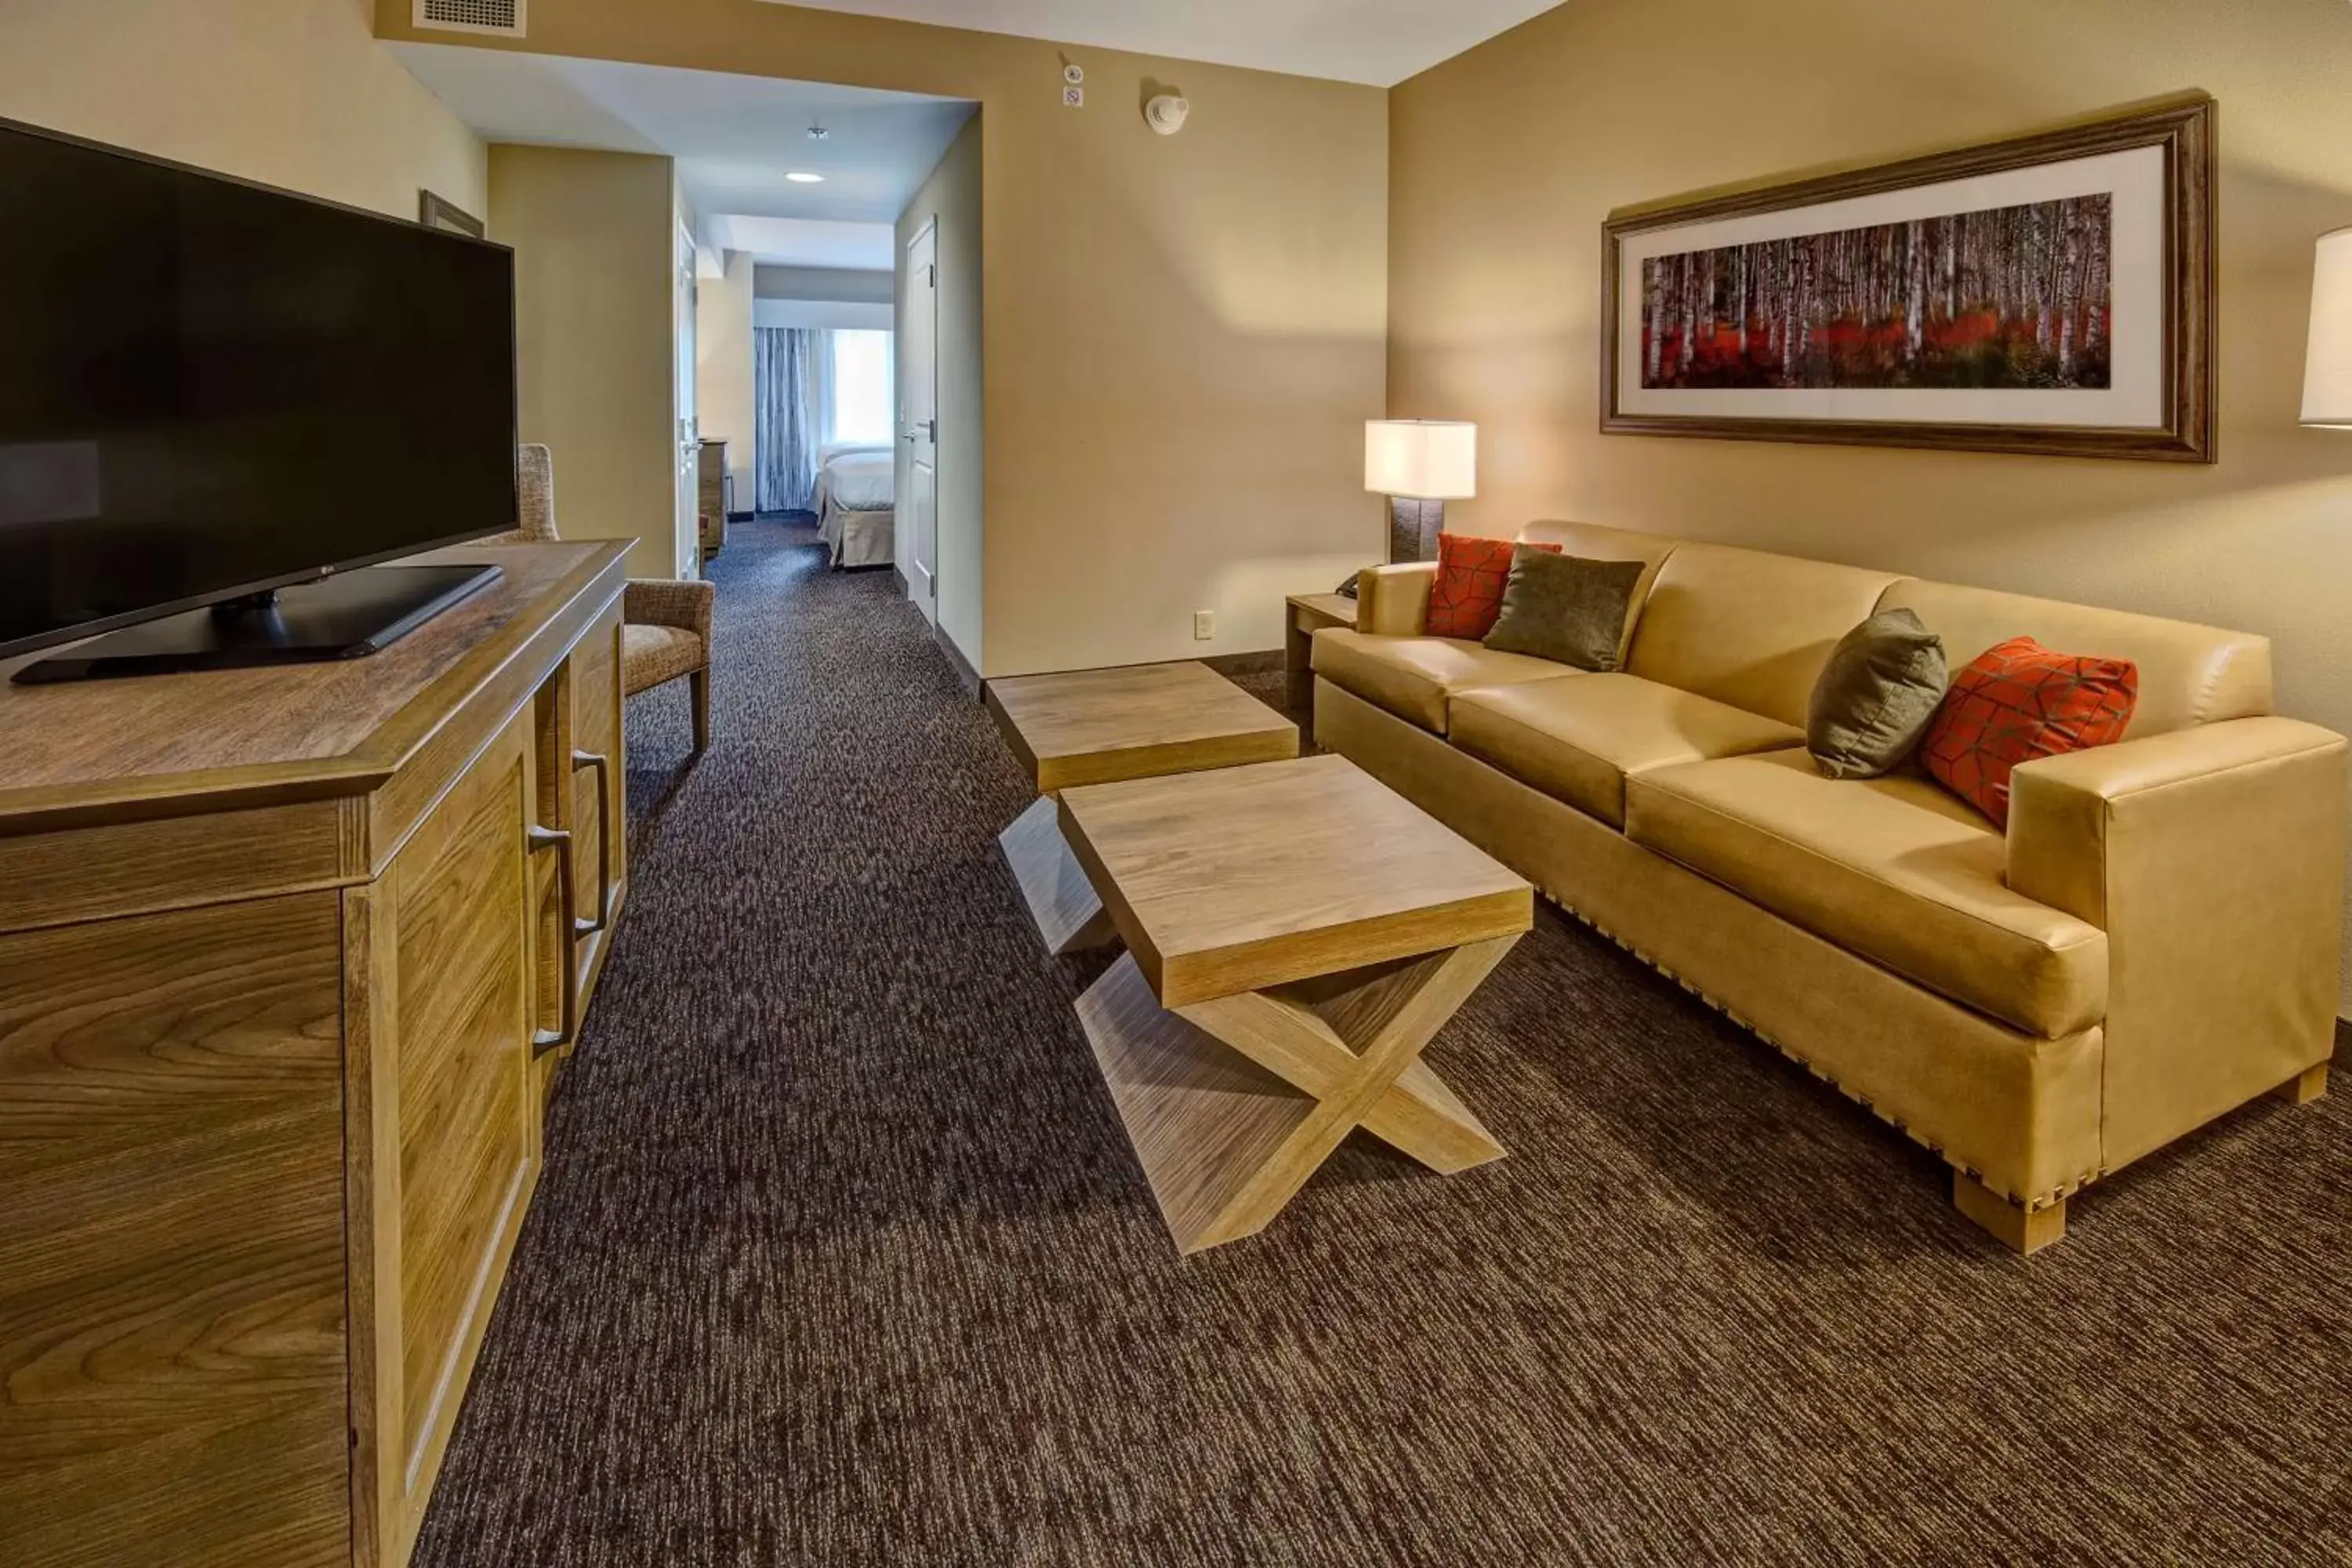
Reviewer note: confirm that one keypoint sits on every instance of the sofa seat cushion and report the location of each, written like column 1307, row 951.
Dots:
column 1416, row 678
column 1577, row 739
column 1892, row 868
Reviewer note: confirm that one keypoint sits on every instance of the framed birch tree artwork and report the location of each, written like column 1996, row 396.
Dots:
column 2051, row 294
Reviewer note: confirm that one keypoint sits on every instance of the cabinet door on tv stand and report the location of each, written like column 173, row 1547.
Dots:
column 453, row 1118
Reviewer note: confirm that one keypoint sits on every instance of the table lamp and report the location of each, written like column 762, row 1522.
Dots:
column 1420, row 465
column 2328, row 360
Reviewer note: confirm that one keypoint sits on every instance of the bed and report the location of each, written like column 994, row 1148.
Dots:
column 856, row 502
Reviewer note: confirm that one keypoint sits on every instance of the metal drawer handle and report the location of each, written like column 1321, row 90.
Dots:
column 603, row 766
column 543, row 1041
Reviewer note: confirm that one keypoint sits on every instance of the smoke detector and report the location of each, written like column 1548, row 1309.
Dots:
column 1166, row 113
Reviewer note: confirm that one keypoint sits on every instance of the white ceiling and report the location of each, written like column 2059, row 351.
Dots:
column 1379, row 42
column 734, row 137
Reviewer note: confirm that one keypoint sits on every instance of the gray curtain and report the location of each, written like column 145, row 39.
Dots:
column 788, row 367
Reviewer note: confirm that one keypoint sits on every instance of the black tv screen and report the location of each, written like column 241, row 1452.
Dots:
column 208, row 388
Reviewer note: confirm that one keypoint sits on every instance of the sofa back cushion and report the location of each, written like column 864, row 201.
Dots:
column 1593, row 542
column 2189, row 674
column 1749, row 629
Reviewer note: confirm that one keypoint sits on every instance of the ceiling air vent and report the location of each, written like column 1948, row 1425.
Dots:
column 473, row 15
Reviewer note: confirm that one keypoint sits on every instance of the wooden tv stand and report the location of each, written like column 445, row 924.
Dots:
column 286, row 971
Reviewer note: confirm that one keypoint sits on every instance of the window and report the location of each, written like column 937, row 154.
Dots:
column 863, row 406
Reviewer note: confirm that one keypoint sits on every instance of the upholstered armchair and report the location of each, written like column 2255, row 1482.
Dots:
column 666, row 629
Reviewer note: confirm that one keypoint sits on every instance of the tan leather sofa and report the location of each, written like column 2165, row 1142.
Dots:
column 2153, row 942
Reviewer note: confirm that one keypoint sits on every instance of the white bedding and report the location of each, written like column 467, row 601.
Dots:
column 861, row 480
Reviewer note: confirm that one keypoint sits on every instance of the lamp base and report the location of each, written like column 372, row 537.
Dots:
column 1413, row 527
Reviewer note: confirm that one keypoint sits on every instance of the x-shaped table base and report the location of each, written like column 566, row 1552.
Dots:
column 1068, row 911
column 1232, row 1104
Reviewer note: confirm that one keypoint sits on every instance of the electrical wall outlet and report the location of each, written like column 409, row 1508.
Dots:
column 1204, row 624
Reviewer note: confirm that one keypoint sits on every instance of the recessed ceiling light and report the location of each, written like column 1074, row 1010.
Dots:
column 800, row 177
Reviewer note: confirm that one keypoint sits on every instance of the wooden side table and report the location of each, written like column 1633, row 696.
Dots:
column 1309, row 613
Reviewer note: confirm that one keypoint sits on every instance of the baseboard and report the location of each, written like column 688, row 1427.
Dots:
column 966, row 677
column 899, row 581
column 1233, row 664
column 741, row 516
column 2343, row 1039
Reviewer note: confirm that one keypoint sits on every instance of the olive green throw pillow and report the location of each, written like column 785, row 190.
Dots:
column 1876, row 696
column 1564, row 608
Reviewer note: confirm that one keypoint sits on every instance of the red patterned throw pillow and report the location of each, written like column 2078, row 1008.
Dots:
column 1468, row 593
column 2019, row 702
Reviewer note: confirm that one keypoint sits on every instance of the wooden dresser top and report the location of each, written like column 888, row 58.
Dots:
column 132, row 747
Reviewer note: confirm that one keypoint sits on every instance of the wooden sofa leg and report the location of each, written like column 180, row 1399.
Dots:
column 700, row 682
column 2010, row 1223
column 2305, row 1087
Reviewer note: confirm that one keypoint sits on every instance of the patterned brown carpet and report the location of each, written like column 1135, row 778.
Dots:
column 840, row 1257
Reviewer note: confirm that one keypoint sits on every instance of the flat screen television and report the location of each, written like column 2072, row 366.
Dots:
column 212, row 394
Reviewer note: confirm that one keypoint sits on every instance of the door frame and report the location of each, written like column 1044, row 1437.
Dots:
column 686, row 537
column 928, row 229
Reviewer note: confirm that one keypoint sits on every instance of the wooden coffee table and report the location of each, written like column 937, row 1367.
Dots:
column 1092, row 726
column 1296, row 933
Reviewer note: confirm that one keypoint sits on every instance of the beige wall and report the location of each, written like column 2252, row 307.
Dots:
column 1183, row 334
column 295, row 93
column 951, row 197
column 1508, row 158
column 594, row 237
column 722, row 325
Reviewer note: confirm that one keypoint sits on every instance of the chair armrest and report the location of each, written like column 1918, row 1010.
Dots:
column 1393, row 601
column 2213, row 859
column 658, row 602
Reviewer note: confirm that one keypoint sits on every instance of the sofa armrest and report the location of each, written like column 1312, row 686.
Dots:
column 660, row 602
column 2213, row 859
column 1393, row 601
column 2065, row 812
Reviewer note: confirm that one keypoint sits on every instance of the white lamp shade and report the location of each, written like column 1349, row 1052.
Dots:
column 2328, row 361
column 1429, row 459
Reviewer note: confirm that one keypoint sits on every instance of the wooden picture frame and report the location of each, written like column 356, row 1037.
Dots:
column 2111, row 218
column 433, row 211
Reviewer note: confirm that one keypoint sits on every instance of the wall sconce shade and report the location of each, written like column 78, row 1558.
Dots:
column 1428, row 459
column 2328, row 360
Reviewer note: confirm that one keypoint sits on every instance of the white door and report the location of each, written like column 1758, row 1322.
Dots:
column 919, row 421
column 690, row 445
